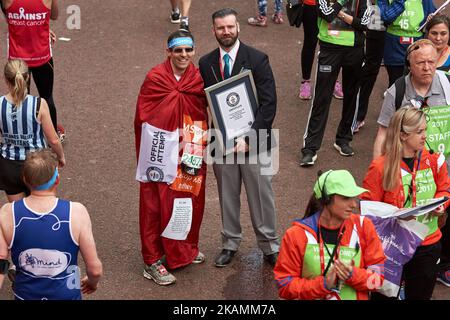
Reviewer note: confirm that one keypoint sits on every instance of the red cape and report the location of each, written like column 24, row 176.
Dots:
column 163, row 100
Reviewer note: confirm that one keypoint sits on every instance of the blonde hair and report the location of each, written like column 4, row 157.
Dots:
column 16, row 74
column 407, row 119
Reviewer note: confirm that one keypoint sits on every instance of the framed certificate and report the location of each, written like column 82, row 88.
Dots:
column 233, row 104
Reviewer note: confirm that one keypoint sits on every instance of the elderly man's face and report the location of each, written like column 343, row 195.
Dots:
column 226, row 30
column 180, row 58
column 423, row 64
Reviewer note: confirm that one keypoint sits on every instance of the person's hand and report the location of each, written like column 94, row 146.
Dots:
column 52, row 37
column 431, row 15
column 343, row 270
column 330, row 279
column 62, row 162
column 439, row 211
column 88, row 287
column 241, row 146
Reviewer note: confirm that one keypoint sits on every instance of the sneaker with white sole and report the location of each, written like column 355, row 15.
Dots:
column 344, row 149
column 61, row 132
column 358, row 125
column 200, row 258
column 175, row 16
column 308, row 159
column 444, row 278
column 258, row 21
column 158, row 273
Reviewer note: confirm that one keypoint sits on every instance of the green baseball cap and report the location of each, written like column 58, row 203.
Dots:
column 339, row 182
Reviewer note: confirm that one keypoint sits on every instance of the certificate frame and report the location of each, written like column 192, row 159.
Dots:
column 226, row 105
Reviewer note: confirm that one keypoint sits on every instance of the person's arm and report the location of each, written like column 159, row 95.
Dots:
column 428, row 10
column 288, row 270
column 94, row 268
column 4, row 251
column 327, row 12
column 5, row 5
column 442, row 181
column 390, row 12
column 267, row 100
column 50, row 133
column 54, row 13
column 267, row 94
column 369, row 276
column 373, row 181
column 361, row 20
column 379, row 140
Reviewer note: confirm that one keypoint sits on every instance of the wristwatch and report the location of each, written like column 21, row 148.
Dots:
column 4, row 266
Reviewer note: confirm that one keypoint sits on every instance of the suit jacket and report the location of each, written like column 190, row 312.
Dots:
column 258, row 62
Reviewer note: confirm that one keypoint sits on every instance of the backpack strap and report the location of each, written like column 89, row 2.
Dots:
column 400, row 88
column 448, row 77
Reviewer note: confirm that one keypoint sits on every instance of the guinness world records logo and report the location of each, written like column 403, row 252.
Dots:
column 233, row 99
column 154, row 174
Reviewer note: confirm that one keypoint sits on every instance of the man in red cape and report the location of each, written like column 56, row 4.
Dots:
column 172, row 98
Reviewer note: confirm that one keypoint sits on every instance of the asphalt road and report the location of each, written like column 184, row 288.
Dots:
column 98, row 76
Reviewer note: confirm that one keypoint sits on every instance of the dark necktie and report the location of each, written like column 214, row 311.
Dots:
column 226, row 68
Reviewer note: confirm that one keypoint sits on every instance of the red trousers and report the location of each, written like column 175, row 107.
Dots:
column 155, row 209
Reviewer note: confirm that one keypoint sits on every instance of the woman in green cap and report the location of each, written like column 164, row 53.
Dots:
column 331, row 253
column 407, row 175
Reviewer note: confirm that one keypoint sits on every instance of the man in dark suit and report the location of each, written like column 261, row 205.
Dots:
column 230, row 59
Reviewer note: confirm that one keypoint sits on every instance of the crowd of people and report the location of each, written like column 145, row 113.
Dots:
column 336, row 250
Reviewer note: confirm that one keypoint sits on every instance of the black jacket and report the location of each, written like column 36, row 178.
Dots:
column 258, row 62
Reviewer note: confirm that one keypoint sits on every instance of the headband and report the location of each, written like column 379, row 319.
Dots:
column 49, row 183
column 184, row 41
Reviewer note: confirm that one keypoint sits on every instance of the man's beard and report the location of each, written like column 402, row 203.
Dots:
column 228, row 42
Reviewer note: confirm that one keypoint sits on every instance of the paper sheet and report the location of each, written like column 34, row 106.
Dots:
column 180, row 222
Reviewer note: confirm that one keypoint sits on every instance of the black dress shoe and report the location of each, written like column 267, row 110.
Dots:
column 271, row 258
column 224, row 258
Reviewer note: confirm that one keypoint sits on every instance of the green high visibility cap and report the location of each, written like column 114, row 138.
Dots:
column 339, row 182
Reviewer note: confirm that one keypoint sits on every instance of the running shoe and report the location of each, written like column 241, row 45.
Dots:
column 61, row 132
column 175, row 16
column 277, row 18
column 305, row 91
column 158, row 273
column 337, row 93
column 444, row 278
column 259, row 21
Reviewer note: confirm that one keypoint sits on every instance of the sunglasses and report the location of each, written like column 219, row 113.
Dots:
column 180, row 50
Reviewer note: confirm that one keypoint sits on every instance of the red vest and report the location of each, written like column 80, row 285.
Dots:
column 29, row 32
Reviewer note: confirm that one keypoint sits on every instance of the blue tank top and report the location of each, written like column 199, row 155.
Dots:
column 45, row 254
column 446, row 66
column 20, row 130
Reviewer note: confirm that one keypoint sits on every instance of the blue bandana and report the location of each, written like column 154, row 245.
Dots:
column 185, row 41
column 49, row 183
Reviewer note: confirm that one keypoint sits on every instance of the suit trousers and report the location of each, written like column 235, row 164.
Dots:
column 260, row 199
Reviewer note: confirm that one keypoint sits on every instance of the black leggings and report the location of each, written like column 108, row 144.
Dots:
column 43, row 78
column 310, row 31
